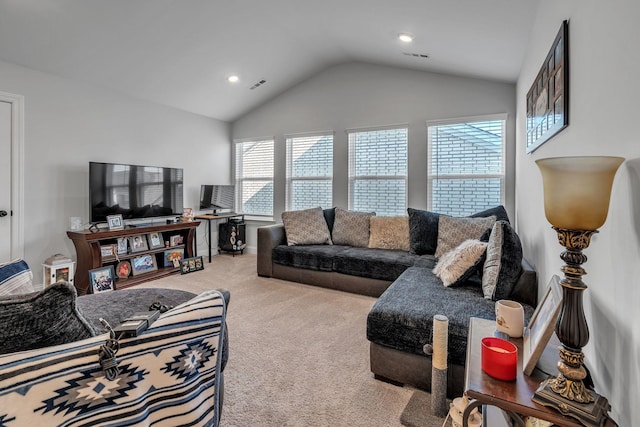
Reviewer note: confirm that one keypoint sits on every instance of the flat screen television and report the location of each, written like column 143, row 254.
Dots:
column 134, row 191
column 217, row 197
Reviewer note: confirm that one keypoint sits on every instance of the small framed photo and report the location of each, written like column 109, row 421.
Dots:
column 143, row 264
column 102, row 279
column 192, row 264
column 123, row 269
column 115, row 222
column 175, row 240
column 199, row 263
column 122, row 245
column 541, row 326
column 107, row 250
column 172, row 257
column 138, row 243
column 155, row 240
column 184, row 267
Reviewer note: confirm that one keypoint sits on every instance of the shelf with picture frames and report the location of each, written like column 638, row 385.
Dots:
column 99, row 249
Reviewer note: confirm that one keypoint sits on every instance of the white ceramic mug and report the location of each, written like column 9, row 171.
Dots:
column 510, row 318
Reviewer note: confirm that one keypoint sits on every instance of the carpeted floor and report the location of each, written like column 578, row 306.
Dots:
column 299, row 353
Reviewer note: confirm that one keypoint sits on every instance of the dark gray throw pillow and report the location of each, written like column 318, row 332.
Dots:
column 503, row 263
column 423, row 231
column 499, row 212
column 41, row 319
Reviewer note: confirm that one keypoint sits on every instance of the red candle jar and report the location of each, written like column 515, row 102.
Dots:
column 499, row 358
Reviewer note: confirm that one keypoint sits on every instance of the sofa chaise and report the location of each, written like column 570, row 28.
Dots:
column 402, row 277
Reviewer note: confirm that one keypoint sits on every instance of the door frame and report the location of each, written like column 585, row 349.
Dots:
column 17, row 172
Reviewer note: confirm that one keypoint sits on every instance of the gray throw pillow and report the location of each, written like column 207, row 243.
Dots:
column 41, row 319
column 423, row 231
column 503, row 264
column 351, row 228
column 306, row 227
column 453, row 231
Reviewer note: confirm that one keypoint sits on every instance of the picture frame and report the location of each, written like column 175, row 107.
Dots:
column 175, row 240
column 173, row 256
column 541, row 326
column 548, row 98
column 184, row 266
column 199, row 263
column 143, row 264
column 155, row 240
column 123, row 269
column 115, row 222
column 102, row 279
column 107, row 251
column 138, row 243
column 122, row 246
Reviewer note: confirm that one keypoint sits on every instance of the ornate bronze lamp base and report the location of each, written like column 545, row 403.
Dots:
column 567, row 392
column 593, row 413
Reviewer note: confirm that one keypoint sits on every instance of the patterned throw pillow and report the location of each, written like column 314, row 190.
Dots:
column 15, row 278
column 306, row 227
column 453, row 231
column 503, row 264
column 351, row 228
column 460, row 263
column 389, row 232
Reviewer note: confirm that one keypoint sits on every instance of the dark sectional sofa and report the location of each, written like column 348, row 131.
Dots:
column 409, row 295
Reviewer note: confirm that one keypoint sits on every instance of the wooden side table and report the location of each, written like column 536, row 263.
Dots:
column 514, row 397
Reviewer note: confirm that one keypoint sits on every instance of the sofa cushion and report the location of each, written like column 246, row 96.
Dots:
column 383, row 264
column 389, row 232
column 15, row 278
column 503, row 264
column 351, row 228
column 312, row 257
column 402, row 318
column 499, row 212
column 306, row 227
column 423, row 231
column 457, row 265
column 41, row 319
column 453, row 231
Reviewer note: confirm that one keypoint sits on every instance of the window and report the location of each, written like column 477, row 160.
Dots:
column 254, row 177
column 309, row 171
column 466, row 165
column 378, row 170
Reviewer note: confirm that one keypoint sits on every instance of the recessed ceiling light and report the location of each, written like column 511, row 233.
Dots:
column 233, row 79
column 405, row 37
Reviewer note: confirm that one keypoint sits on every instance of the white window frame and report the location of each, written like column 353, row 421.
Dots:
column 240, row 180
column 289, row 168
column 461, row 120
column 352, row 162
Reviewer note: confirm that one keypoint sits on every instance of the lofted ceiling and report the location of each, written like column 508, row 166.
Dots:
column 179, row 53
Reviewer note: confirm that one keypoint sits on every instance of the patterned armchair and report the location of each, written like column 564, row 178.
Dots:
column 169, row 375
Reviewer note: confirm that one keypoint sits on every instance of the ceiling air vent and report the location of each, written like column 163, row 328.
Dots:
column 416, row 55
column 257, row 85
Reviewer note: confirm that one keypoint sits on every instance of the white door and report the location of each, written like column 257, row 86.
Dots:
column 5, row 181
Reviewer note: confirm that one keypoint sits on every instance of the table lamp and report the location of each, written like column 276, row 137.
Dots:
column 576, row 202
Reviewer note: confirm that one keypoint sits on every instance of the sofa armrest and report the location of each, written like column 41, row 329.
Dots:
column 269, row 237
column 526, row 289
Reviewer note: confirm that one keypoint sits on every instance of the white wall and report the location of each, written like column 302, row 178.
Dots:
column 68, row 124
column 604, row 94
column 360, row 95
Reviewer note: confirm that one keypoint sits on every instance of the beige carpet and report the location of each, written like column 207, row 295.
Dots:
column 299, row 353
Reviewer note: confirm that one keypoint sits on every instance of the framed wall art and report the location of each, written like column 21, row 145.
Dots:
column 541, row 326
column 548, row 98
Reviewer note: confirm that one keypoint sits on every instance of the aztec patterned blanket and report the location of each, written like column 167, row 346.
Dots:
column 167, row 376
